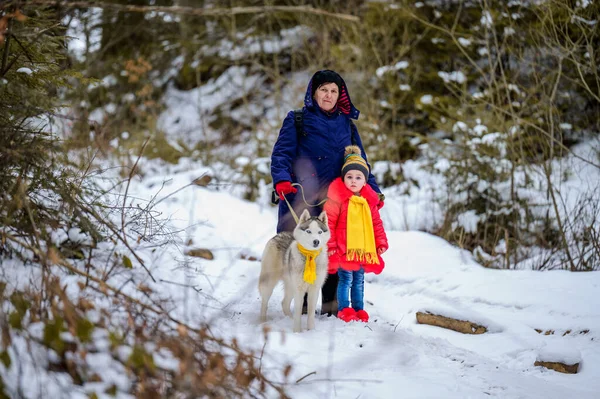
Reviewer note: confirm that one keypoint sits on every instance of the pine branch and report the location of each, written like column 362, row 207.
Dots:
column 3, row 71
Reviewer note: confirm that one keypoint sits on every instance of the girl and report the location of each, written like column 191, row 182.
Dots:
column 357, row 235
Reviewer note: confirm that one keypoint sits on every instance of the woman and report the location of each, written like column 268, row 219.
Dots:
column 315, row 157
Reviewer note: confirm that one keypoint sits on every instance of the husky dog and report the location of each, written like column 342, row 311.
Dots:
column 282, row 260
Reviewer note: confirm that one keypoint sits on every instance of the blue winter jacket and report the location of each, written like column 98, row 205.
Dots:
column 315, row 158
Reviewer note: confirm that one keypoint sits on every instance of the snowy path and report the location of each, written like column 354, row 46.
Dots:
column 392, row 356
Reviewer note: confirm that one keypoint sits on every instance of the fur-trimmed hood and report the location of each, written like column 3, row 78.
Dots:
column 344, row 104
column 340, row 193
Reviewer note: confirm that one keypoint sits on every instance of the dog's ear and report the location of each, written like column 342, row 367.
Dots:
column 323, row 217
column 304, row 217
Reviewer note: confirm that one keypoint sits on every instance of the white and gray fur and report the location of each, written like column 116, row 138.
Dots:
column 281, row 260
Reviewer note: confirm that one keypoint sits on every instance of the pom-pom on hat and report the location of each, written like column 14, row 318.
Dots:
column 353, row 160
column 326, row 76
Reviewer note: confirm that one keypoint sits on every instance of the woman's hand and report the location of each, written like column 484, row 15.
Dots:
column 284, row 187
column 381, row 250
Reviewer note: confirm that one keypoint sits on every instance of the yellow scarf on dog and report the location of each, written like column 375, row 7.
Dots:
column 310, row 266
column 360, row 239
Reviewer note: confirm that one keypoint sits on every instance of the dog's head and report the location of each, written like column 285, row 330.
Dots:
column 312, row 232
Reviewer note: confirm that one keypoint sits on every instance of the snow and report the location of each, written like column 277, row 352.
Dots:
column 583, row 3
column 390, row 68
column 454, row 76
column 468, row 221
column 392, row 353
column 566, row 126
column 187, row 112
column 76, row 32
column 530, row 315
column 464, row 42
column 486, row 19
column 249, row 46
column 555, row 352
column 75, row 235
column 427, row 99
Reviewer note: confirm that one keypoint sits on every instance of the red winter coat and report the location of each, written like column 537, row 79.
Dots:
column 338, row 198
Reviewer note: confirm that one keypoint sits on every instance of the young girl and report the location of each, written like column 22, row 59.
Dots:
column 357, row 235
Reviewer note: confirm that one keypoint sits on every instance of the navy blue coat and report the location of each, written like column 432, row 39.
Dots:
column 314, row 160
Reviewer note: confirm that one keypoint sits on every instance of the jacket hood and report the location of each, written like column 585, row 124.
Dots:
column 344, row 103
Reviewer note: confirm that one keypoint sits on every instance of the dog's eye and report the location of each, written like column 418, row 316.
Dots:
column 320, row 232
column 308, row 232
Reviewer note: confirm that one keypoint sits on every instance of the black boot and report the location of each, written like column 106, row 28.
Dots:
column 305, row 304
column 329, row 303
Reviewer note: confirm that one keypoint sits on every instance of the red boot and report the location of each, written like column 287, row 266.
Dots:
column 362, row 315
column 347, row 315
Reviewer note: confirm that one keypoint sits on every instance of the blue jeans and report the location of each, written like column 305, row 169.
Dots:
column 352, row 282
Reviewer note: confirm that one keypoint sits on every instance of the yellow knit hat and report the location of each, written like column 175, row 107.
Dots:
column 354, row 161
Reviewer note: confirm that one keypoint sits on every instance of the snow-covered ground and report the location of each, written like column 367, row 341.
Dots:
column 392, row 356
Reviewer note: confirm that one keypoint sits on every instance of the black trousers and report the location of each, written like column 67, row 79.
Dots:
column 328, row 296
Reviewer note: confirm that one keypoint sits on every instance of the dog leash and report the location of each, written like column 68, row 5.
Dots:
column 303, row 199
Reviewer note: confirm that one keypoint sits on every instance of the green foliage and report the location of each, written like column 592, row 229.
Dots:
column 127, row 262
column 3, row 394
column 115, row 339
column 21, row 305
column 141, row 359
column 5, row 359
column 52, row 339
column 112, row 390
column 34, row 173
column 84, row 330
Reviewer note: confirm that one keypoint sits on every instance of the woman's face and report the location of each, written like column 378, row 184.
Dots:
column 327, row 96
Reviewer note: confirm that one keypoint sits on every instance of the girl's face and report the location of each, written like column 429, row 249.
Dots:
column 354, row 180
column 327, row 96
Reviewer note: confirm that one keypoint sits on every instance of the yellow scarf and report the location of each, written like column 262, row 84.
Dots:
column 310, row 266
column 360, row 240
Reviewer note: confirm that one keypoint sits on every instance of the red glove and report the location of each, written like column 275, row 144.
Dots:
column 380, row 205
column 284, row 187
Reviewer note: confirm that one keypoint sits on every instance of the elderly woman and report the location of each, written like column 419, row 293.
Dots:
column 313, row 155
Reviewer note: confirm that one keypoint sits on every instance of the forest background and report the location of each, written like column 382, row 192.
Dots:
column 487, row 96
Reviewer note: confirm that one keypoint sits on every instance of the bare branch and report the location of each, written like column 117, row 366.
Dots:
column 201, row 12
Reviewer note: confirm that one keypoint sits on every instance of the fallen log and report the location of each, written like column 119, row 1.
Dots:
column 558, row 366
column 462, row 326
column 200, row 253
